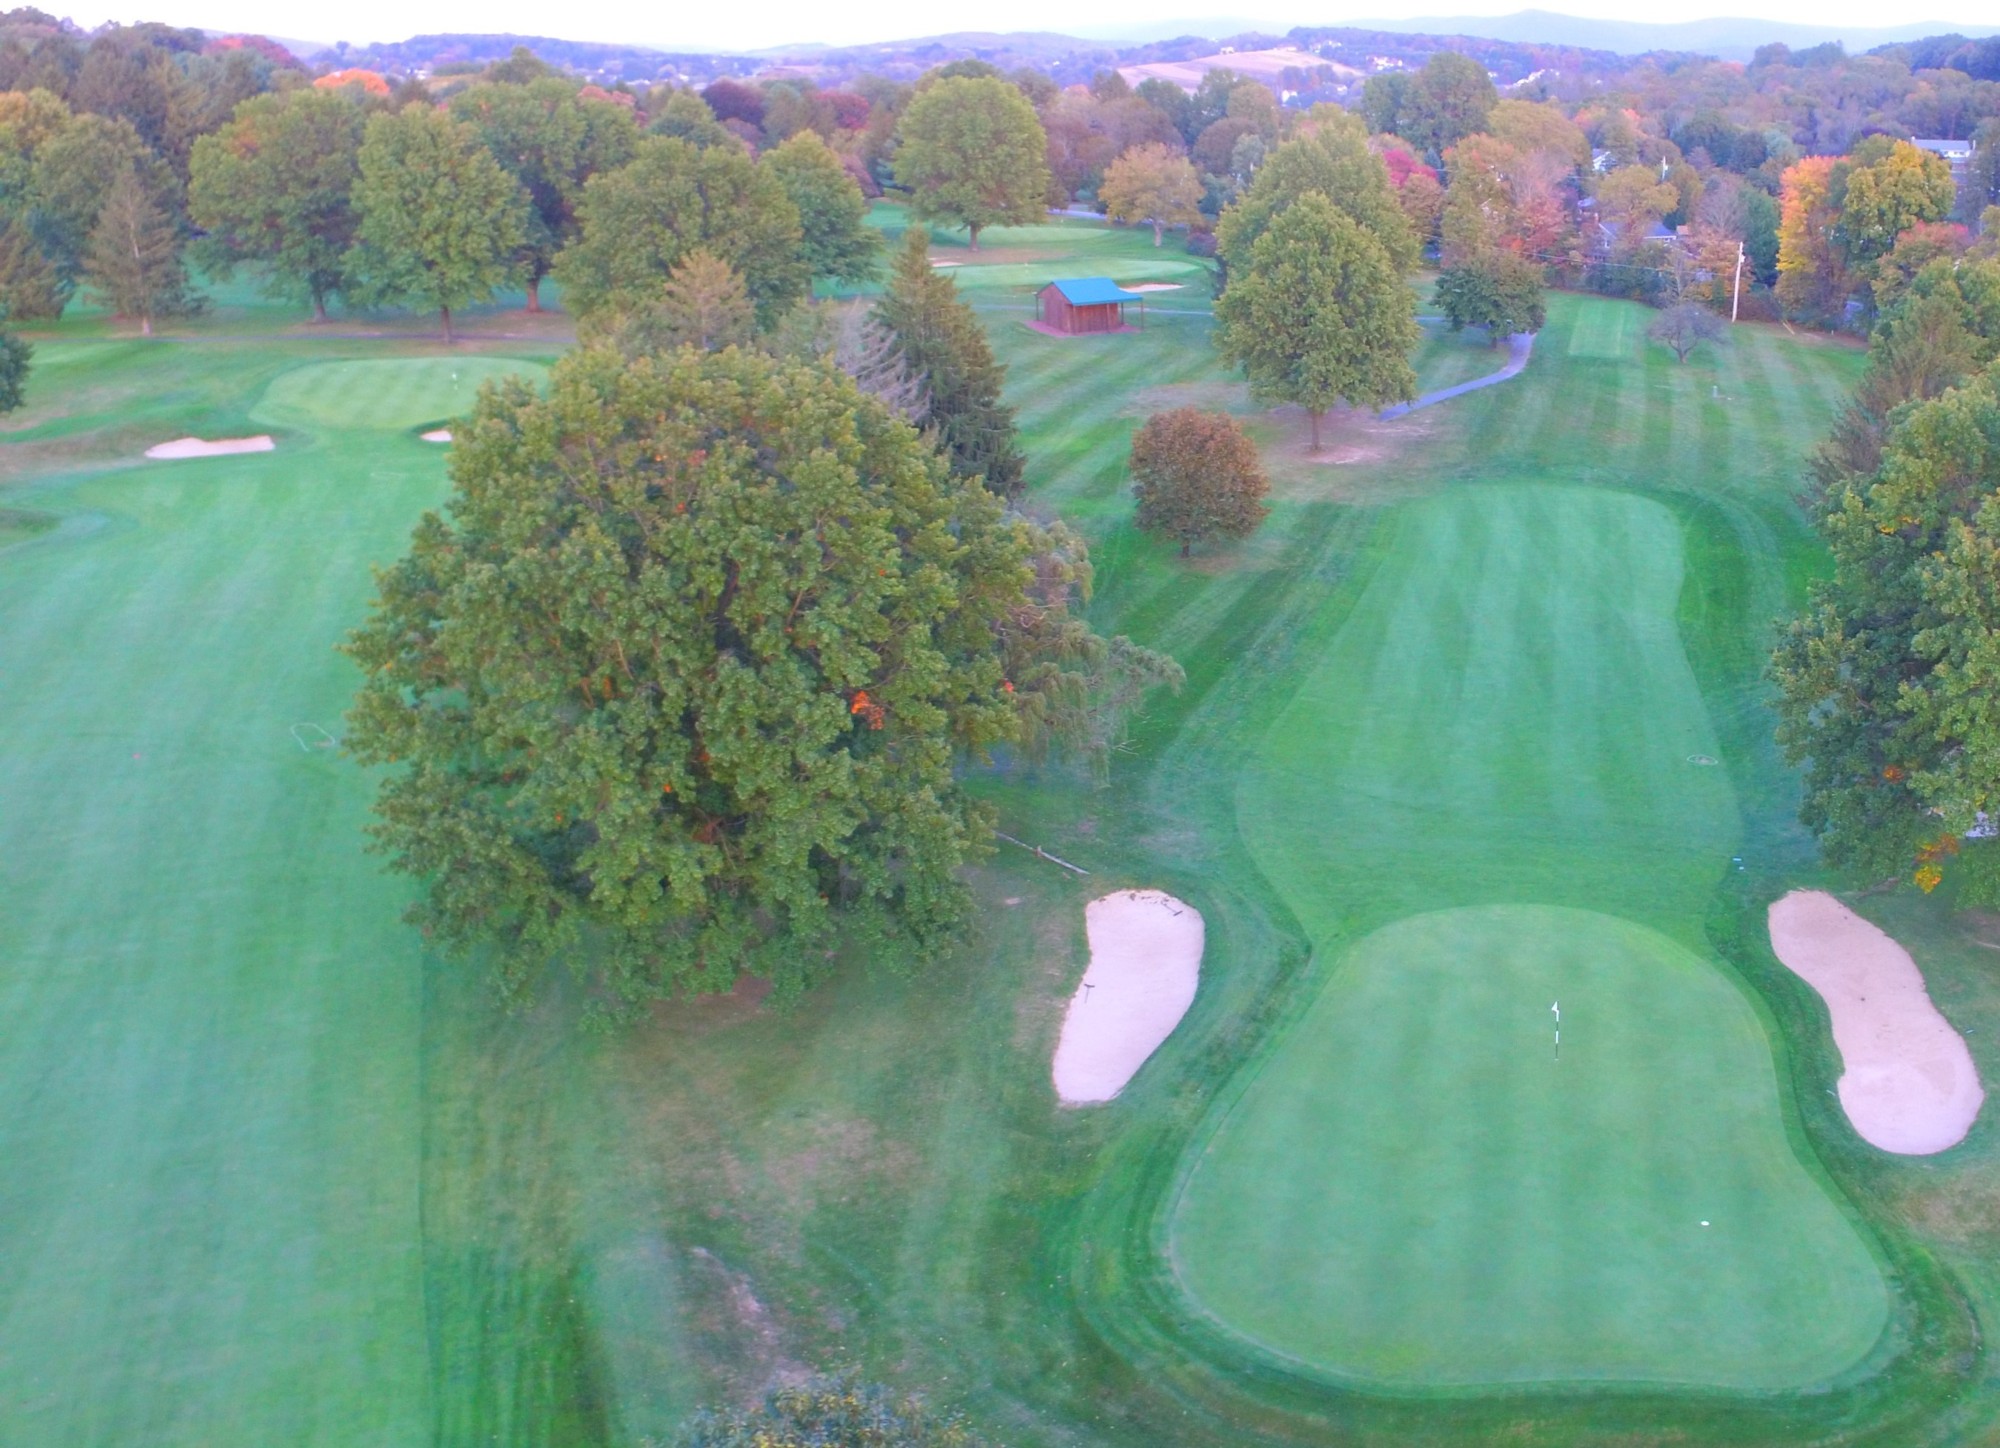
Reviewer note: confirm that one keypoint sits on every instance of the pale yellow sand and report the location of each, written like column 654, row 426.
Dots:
column 1909, row 1085
column 442, row 434
column 194, row 447
column 1145, row 962
column 1154, row 287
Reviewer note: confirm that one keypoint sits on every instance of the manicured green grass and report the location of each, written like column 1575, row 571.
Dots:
column 209, row 1070
column 1423, row 1188
column 276, row 1173
column 385, row 395
column 1607, row 331
column 17, row 525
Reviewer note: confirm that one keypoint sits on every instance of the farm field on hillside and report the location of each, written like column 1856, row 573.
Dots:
column 276, row 1172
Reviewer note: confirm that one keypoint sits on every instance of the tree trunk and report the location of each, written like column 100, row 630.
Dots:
column 319, row 305
column 444, row 313
column 1158, row 232
column 145, row 324
column 534, row 294
column 1184, row 547
column 975, row 237
column 1314, row 413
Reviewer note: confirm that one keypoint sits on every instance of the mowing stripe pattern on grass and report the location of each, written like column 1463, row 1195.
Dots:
column 1413, row 1190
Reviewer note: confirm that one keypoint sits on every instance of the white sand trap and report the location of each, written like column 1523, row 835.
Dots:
column 1155, row 286
column 437, row 434
column 1145, row 961
column 1909, row 1085
column 222, row 447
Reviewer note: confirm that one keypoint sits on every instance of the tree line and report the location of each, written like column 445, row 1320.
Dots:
column 1888, row 681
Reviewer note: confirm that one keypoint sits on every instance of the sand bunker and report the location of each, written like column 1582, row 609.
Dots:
column 1154, row 286
column 194, row 447
column 1909, row 1085
column 1145, row 961
column 437, row 434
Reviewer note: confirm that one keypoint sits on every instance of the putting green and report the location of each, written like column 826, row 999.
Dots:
column 1411, row 1192
column 1416, row 1190
column 391, row 395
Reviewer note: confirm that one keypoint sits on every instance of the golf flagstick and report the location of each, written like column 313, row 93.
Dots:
column 1557, row 1008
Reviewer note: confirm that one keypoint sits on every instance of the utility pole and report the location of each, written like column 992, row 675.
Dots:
column 1736, row 293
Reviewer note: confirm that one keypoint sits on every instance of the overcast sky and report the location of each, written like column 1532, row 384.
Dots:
column 755, row 24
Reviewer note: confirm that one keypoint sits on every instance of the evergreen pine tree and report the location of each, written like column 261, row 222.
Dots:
column 947, row 351
column 29, row 287
column 14, row 355
column 134, row 261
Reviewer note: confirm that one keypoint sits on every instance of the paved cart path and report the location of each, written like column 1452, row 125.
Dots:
column 1518, row 347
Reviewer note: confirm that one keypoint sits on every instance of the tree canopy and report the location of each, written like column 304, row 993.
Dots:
column 1436, row 108
column 1496, row 290
column 685, row 668
column 1153, row 185
column 15, row 356
column 1197, row 476
column 276, row 186
column 1335, row 162
column 641, row 219
column 551, row 141
column 1685, row 326
column 1887, row 681
column 1885, row 199
column 837, row 242
column 441, row 223
column 947, row 354
column 134, row 262
column 973, row 154
column 1321, row 315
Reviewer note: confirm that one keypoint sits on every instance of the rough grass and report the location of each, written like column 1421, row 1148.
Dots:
column 276, row 1174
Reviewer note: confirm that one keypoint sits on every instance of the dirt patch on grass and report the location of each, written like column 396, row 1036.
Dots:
column 1354, row 443
column 1909, row 1085
column 1351, row 465
column 1964, row 1213
column 737, row 1318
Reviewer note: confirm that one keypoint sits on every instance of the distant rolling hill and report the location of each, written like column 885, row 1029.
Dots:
column 1727, row 38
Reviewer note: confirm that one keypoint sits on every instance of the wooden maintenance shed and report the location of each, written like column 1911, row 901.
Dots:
column 1083, row 304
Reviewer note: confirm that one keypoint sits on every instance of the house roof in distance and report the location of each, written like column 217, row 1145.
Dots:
column 1093, row 291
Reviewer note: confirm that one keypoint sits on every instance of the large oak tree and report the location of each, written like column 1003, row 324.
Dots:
column 1321, row 315
column 551, row 141
column 441, row 223
column 836, row 239
column 275, row 186
column 638, row 221
column 675, row 688
column 973, row 154
column 1334, row 161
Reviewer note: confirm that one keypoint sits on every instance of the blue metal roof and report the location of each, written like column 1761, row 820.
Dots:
column 1094, row 291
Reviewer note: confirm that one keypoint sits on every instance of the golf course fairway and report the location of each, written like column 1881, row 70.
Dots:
column 1501, row 781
